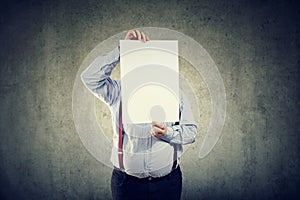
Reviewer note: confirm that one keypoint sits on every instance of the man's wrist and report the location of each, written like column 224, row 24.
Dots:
column 169, row 134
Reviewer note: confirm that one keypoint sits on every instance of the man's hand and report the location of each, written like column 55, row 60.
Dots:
column 158, row 129
column 136, row 35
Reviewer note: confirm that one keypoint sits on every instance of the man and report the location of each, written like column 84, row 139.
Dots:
column 145, row 156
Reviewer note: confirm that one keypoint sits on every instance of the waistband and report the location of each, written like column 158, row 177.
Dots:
column 174, row 167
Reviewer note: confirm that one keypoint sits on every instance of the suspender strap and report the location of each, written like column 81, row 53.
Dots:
column 174, row 157
column 120, row 149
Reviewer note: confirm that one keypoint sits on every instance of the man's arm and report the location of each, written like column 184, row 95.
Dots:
column 184, row 133
column 96, row 77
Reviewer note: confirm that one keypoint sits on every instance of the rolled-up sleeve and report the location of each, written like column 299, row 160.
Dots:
column 185, row 132
column 97, row 77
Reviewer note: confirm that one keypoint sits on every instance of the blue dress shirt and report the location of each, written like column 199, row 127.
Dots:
column 143, row 154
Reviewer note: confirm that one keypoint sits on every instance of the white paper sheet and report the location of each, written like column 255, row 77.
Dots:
column 150, row 81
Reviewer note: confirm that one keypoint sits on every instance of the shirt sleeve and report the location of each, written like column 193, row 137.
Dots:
column 186, row 131
column 97, row 77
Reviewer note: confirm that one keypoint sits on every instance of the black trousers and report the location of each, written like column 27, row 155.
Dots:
column 125, row 187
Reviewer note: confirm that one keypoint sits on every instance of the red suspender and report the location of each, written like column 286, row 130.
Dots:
column 174, row 158
column 120, row 150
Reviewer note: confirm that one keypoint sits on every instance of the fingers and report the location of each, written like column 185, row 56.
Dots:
column 136, row 35
column 131, row 35
column 158, row 129
column 143, row 37
column 157, row 132
column 158, row 136
column 158, row 124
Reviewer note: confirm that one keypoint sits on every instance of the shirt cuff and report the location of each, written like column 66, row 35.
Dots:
column 169, row 135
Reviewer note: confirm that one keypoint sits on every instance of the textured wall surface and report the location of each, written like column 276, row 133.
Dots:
column 255, row 44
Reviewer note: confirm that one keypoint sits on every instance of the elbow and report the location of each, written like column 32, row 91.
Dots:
column 88, row 80
column 192, row 136
column 192, row 140
column 189, row 140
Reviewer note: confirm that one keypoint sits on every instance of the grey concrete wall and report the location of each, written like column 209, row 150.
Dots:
column 254, row 43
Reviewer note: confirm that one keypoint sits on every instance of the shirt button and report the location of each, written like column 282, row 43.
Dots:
column 150, row 178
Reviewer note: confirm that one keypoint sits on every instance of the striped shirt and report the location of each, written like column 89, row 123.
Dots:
column 143, row 154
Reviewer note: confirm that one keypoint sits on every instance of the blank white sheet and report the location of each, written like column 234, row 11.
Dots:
column 149, row 81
